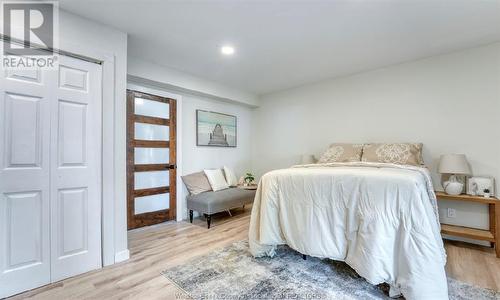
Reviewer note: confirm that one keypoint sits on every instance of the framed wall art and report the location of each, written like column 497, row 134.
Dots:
column 215, row 129
column 477, row 184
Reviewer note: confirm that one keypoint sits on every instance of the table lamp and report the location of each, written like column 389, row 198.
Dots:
column 453, row 164
column 307, row 159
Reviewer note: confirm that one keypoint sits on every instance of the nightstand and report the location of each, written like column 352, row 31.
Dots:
column 248, row 187
column 492, row 235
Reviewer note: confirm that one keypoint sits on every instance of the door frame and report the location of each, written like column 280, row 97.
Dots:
column 138, row 86
column 159, row 216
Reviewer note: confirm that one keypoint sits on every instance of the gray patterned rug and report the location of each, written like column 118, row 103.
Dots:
column 232, row 273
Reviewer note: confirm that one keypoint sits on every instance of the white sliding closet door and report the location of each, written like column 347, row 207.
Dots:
column 50, row 174
column 24, row 180
column 75, row 193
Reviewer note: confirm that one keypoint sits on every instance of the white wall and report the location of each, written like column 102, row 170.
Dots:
column 86, row 37
column 195, row 158
column 174, row 79
column 451, row 103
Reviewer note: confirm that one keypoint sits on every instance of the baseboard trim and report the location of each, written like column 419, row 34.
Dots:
column 122, row 256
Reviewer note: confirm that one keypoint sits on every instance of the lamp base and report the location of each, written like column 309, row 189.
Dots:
column 453, row 187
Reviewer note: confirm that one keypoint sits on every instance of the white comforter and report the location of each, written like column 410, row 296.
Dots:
column 381, row 219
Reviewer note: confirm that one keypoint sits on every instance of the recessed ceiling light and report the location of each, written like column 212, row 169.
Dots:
column 227, row 50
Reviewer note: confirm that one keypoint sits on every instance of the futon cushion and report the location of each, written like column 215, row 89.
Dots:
column 230, row 177
column 196, row 183
column 216, row 179
column 214, row 202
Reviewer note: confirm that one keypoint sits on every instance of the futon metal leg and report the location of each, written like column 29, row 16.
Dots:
column 191, row 215
column 304, row 257
column 209, row 219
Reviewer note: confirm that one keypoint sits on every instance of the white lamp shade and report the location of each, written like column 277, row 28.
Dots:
column 454, row 164
column 307, row 159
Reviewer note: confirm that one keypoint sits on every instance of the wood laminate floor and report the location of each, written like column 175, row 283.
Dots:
column 159, row 247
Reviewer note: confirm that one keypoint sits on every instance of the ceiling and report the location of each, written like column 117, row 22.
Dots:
column 282, row 44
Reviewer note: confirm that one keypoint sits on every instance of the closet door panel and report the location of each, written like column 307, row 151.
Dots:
column 73, row 209
column 24, row 180
column 76, row 169
column 23, row 130
column 23, row 226
column 71, row 146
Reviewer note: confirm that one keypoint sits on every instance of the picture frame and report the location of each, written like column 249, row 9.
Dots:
column 477, row 184
column 214, row 129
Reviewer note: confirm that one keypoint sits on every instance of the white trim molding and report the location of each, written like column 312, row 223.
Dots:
column 122, row 256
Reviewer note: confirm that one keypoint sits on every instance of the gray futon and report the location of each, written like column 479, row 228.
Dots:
column 209, row 203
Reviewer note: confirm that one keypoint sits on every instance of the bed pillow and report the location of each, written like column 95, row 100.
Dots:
column 397, row 153
column 230, row 177
column 216, row 179
column 342, row 153
column 196, row 183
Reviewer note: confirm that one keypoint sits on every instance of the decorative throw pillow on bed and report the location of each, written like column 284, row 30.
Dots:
column 397, row 153
column 342, row 153
column 216, row 179
column 230, row 177
column 196, row 183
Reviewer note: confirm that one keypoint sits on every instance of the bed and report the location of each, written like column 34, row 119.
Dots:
column 380, row 218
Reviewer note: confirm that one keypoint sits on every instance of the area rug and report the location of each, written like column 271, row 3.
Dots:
column 232, row 273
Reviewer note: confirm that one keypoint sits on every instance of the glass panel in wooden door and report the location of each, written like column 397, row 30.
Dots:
column 151, row 162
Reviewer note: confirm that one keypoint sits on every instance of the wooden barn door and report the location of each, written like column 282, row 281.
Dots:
column 151, row 159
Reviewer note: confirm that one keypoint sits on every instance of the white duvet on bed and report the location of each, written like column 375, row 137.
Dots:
column 381, row 219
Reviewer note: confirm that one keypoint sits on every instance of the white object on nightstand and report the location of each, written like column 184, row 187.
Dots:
column 453, row 187
column 477, row 184
column 454, row 164
column 248, row 187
